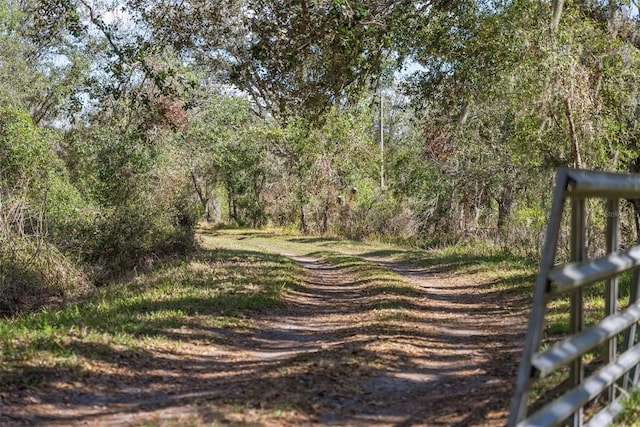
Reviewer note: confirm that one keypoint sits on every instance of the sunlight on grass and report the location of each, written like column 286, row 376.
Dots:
column 212, row 289
column 631, row 414
column 499, row 269
column 239, row 273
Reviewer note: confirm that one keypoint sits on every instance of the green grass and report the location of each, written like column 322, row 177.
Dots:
column 211, row 289
column 396, row 292
column 499, row 270
column 240, row 272
column 631, row 414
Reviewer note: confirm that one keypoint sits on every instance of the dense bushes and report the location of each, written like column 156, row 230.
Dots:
column 117, row 205
column 36, row 200
column 34, row 273
column 143, row 206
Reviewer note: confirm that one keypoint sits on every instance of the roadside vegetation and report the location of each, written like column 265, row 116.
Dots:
column 213, row 288
column 236, row 275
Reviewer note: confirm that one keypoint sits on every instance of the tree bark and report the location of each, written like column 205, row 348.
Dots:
column 203, row 198
column 325, row 218
column 612, row 18
column 230, row 204
column 504, row 207
column 575, row 145
column 557, row 14
column 636, row 217
column 303, row 221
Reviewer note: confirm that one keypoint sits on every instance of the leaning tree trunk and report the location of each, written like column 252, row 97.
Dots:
column 201, row 194
column 575, row 146
column 504, row 208
column 304, row 228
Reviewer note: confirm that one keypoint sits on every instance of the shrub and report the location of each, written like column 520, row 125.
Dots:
column 138, row 205
column 36, row 197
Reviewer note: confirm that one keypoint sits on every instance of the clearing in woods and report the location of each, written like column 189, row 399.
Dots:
column 345, row 334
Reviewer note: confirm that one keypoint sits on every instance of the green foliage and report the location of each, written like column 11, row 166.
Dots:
column 325, row 167
column 24, row 150
column 36, row 199
column 226, row 153
column 139, row 193
column 631, row 412
column 506, row 101
column 31, row 165
column 213, row 288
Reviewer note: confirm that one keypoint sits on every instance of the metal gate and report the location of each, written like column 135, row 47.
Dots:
column 620, row 356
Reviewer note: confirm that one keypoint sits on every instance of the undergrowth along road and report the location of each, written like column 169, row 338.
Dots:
column 268, row 329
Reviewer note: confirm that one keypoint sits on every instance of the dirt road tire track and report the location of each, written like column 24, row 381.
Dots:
column 449, row 360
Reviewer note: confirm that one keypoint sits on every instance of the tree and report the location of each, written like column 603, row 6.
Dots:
column 505, row 105
column 41, row 66
column 223, row 149
column 294, row 58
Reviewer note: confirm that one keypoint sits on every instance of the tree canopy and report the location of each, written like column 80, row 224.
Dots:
column 125, row 122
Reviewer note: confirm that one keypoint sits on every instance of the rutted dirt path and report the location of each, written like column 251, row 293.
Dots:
column 337, row 354
column 478, row 335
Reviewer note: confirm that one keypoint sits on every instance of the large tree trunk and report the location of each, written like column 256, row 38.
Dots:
column 613, row 26
column 213, row 211
column 557, row 14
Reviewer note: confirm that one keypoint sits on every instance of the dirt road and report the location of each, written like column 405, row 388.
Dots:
column 341, row 352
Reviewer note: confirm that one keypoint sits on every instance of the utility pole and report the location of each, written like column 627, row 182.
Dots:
column 381, row 140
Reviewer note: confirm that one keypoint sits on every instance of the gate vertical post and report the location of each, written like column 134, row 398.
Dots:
column 534, row 335
column 578, row 253
column 611, row 288
column 630, row 334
